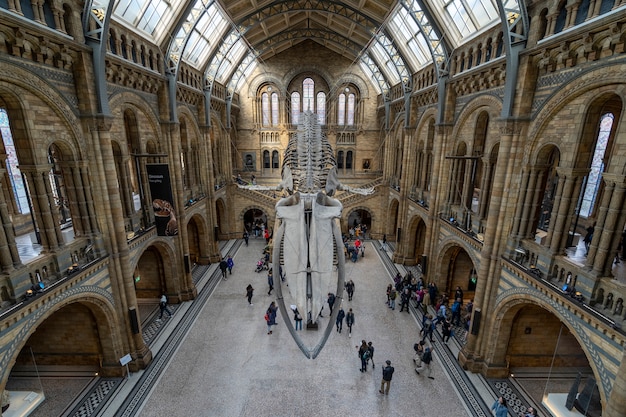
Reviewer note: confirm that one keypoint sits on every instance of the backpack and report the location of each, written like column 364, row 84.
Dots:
column 427, row 357
column 366, row 354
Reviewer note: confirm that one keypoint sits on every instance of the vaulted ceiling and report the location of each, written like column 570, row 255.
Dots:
column 389, row 39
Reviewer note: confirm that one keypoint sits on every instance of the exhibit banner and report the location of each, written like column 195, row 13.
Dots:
column 162, row 200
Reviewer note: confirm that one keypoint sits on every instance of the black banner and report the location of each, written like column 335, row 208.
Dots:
column 162, row 201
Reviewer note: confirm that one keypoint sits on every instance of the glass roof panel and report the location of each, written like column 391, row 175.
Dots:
column 234, row 55
column 383, row 59
column 466, row 17
column 410, row 39
column 153, row 17
column 205, row 37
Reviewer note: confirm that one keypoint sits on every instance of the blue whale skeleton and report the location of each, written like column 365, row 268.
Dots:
column 307, row 227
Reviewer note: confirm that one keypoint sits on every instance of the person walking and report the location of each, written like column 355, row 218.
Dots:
column 385, row 383
column 270, row 280
column 270, row 316
column 246, row 237
column 499, row 408
column 389, row 288
column 427, row 327
column 350, row 322
column 297, row 318
column 230, row 263
column 163, row 307
column 331, row 301
column 384, row 245
column 339, row 322
column 419, row 352
column 350, row 289
column 223, row 267
column 427, row 359
column 370, row 347
column 249, row 293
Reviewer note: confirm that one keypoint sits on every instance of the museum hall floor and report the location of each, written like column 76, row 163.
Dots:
column 213, row 357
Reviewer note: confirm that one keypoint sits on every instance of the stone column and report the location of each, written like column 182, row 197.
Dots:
column 483, row 205
column 80, row 214
column 566, row 211
column 110, row 210
column 56, row 227
column 9, row 255
column 41, row 207
column 605, row 230
column 517, row 228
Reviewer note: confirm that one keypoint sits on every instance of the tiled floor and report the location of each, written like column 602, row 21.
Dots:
column 225, row 364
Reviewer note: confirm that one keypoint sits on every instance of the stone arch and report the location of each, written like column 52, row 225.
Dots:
column 121, row 102
column 244, row 216
column 198, row 233
column 391, row 228
column 508, row 304
column 97, row 300
column 415, row 238
column 157, row 256
column 369, row 221
column 454, row 266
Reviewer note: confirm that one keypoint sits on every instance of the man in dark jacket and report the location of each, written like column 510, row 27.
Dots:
column 386, row 381
column 223, row 267
column 331, row 301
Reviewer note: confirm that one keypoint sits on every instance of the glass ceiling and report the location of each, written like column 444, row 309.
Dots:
column 207, row 40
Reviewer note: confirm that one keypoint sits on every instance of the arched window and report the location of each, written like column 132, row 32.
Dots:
column 341, row 110
column 17, row 182
column 597, row 166
column 308, row 89
column 349, row 160
column 351, row 101
column 340, row 160
column 295, row 107
column 266, row 159
column 275, row 160
column 265, row 109
column 321, row 108
column 274, row 109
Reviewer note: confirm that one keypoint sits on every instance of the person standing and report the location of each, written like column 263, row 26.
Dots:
column 363, row 355
column 404, row 300
column 456, row 311
column 427, row 358
column 339, row 322
column 389, row 288
column 223, row 267
column 270, row 316
column 499, row 408
column 270, row 280
column 446, row 330
column 392, row 299
column 297, row 318
column 385, row 383
column 384, row 245
column 350, row 322
column 249, row 293
column 246, row 237
column 230, row 263
column 163, row 307
column 350, row 289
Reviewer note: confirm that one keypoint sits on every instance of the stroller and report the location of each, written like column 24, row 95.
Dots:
column 260, row 265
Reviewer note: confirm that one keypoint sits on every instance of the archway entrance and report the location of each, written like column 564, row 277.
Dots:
column 545, row 358
column 254, row 221
column 360, row 217
column 459, row 272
